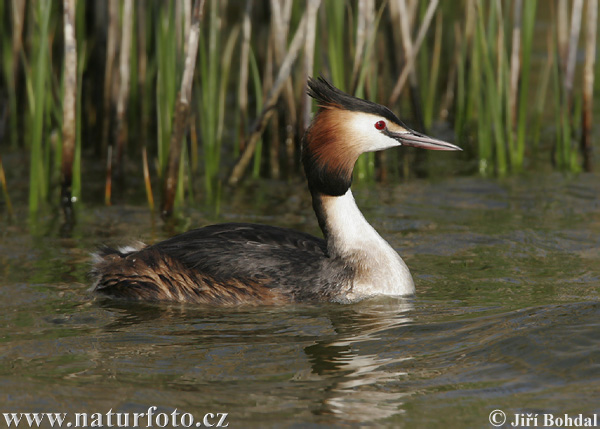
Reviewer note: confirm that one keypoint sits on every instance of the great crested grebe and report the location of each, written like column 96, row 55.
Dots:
column 242, row 263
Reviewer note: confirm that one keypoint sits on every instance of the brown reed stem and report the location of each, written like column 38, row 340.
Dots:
column 147, row 181
column 18, row 17
column 562, row 33
column 572, row 50
column 280, row 24
column 277, row 39
column 365, row 23
column 448, row 98
column 244, row 60
column 309, row 56
column 69, row 110
column 142, row 68
column 9, row 206
column 111, row 49
column 515, row 64
column 124, row 74
column 182, row 108
column 410, row 58
column 268, row 107
column 108, row 181
column 500, row 51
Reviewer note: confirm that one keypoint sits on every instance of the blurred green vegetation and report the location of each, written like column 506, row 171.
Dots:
column 502, row 79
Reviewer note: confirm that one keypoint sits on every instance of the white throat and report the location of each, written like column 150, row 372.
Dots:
column 379, row 269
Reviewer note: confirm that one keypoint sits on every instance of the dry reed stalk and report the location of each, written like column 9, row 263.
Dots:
column 141, row 50
column 69, row 110
column 124, row 74
column 18, row 17
column 269, row 104
column 365, row 24
column 309, row 55
column 182, row 108
column 394, row 20
column 407, row 45
column 179, row 35
column 588, row 82
column 9, row 207
column 108, row 181
column 572, row 50
column 274, row 145
column 187, row 22
column 191, row 53
column 267, row 84
column 147, row 182
column 111, row 50
column 286, row 16
column 411, row 11
column 540, row 101
column 562, row 32
column 193, row 146
column 280, row 25
column 410, row 59
column 500, row 52
column 471, row 24
column 141, row 79
column 448, row 98
column 188, row 12
column 277, row 39
column 279, row 29
column 142, row 63
column 244, row 61
column 405, row 32
column 515, row 64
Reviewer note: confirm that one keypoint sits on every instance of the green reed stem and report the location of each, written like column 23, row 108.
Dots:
column 430, row 96
column 166, row 85
column 8, row 62
column 208, row 109
column 494, row 90
column 564, row 149
column 77, row 184
column 540, row 101
column 529, row 8
column 38, row 184
column 336, row 44
column 226, row 62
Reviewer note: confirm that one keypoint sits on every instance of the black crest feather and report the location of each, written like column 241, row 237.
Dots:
column 328, row 95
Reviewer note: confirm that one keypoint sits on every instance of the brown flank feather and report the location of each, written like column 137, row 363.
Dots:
column 150, row 275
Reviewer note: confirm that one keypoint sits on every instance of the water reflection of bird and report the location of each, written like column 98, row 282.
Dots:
column 239, row 263
column 353, row 372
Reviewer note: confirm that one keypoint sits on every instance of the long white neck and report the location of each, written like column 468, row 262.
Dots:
column 379, row 270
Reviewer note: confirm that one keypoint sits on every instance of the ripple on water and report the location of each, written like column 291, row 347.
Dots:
column 506, row 316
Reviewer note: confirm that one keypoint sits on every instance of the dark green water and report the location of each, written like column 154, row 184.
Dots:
column 507, row 317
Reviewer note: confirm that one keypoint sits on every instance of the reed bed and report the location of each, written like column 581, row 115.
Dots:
column 503, row 76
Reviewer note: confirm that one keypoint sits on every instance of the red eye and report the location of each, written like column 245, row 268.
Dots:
column 380, row 125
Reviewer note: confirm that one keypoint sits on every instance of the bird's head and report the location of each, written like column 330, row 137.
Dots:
column 345, row 127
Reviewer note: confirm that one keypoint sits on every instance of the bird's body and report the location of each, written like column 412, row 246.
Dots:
column 238, row 263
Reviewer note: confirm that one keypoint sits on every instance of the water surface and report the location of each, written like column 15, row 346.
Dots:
column 507, row 316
